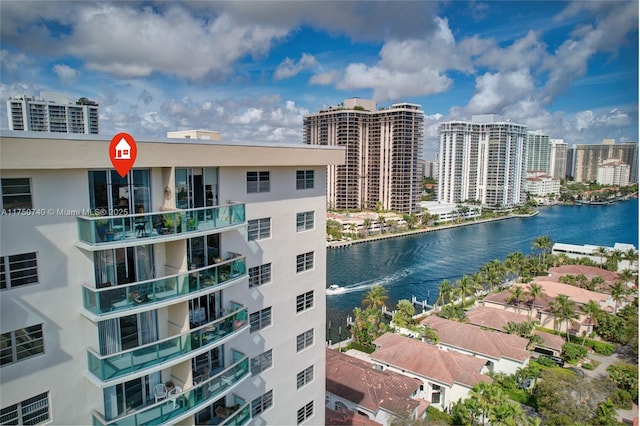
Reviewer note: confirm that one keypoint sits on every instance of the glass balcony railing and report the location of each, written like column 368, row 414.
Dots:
column 239, row 417
column 108, row 367
column 99, row 230
column 200, row 395
column 101, row 301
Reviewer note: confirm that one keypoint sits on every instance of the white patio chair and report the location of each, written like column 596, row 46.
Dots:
column 174, row 393
column 160, row 392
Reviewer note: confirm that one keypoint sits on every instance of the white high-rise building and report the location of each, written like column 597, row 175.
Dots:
column 537, row 152
column 52, row 112
column 613, row 172
column 558, row 159
column 189, row 291
column 483, row 159
column 383, row 147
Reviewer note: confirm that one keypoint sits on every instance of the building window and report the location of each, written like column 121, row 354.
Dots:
column 260, row 319
column 304, row 221
column 261, row 362
column 21, row 344
column 32, row 411
column 261, row 403
column 304, row 179
column 304, row 262
column 16, row 193
column 259, row 275
column 304, row 377
column 18, row 270
column 305, row 412
column 304, row 340
column 304, row 301
column 259, row 229
column 436, row 390
column 258, row 182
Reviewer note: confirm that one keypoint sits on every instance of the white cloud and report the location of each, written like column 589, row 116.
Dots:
column 324, row 78
column 288, row 68
column 65, row 73
column 496, row 91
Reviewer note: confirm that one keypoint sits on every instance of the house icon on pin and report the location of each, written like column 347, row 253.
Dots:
column 123, row 150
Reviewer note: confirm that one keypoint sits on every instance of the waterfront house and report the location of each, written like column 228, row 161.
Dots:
column 590, row 272
column 354, row 385
column 540, row 308
column 503, row 353
column 494, row 319
column 446, row 377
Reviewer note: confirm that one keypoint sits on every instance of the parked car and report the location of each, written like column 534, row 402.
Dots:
column 557, row 360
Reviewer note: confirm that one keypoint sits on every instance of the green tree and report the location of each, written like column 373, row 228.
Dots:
column 367, row 226
column 534, row 291
column 381, row 222
column 334, row 229
column 404, row 314
column 543, row 244
column 466, row 288
column 445, row 290
column 375, row 297
column 516, row 296
column 625, row 376
column 564, row 309
column 573, row 352
column 602, row 253
column 591, row 310
column 618, row 294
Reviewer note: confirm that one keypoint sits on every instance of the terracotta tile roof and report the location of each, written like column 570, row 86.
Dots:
column 551, row 341
column 590, row 272
column 542, row 302
column 347, row 418
column 577, row 294
column 493, row 318
column 428, row 361
column 484, row 342
column 357, row 381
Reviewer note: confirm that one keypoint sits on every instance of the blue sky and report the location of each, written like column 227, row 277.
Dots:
column 252, row 70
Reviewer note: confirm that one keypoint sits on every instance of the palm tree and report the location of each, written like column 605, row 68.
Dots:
column 631, row 255
column 543, row 244
column 534, row 291
column 601, row 252
column 626, row 276
column 517, row 295
column 614, row 258
column 564, row 309
column 465, row 287
column 591, row 310
column 375, row 297
column 381, row 222
column 367, row 225
column 618, row 293
column 446, row 291
column 515, row 262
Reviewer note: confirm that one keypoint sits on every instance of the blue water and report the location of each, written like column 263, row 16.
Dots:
column 415, row 265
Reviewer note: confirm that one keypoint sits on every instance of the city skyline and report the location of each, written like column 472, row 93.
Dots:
column 253, row 70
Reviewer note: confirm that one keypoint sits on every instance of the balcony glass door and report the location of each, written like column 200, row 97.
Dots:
column 116, row 195
column 196, row 187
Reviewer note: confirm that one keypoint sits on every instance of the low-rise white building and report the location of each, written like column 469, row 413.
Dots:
column 448, row 212
column 540, row 185
column 613, row 172
column 447, row 376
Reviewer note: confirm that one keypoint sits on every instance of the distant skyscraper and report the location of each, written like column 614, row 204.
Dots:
column 483, row 159
column 382, row 149
column 587, row 159
column 537, row 152
column 52, row 112
column 558, row 159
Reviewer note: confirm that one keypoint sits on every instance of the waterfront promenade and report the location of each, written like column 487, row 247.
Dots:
column 347, row 243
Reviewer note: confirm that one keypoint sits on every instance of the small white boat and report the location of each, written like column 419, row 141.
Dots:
column 335, row 289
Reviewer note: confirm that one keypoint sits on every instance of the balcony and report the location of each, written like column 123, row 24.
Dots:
column 119, row 298
column 181, row 406
column 109, row 367
column 100, row 232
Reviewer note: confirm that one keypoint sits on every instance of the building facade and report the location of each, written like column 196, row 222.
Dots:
column 614, row 172
column 538, row 152
column 483, row 160
column 53, row 112
column 198, row 299
column 587, row 159
column 558, row 159
column 382, row 149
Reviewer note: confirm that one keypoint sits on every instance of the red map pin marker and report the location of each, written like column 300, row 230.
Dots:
column 123, row 152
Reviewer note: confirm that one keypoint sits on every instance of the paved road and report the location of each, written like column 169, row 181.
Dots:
column 625, row 416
